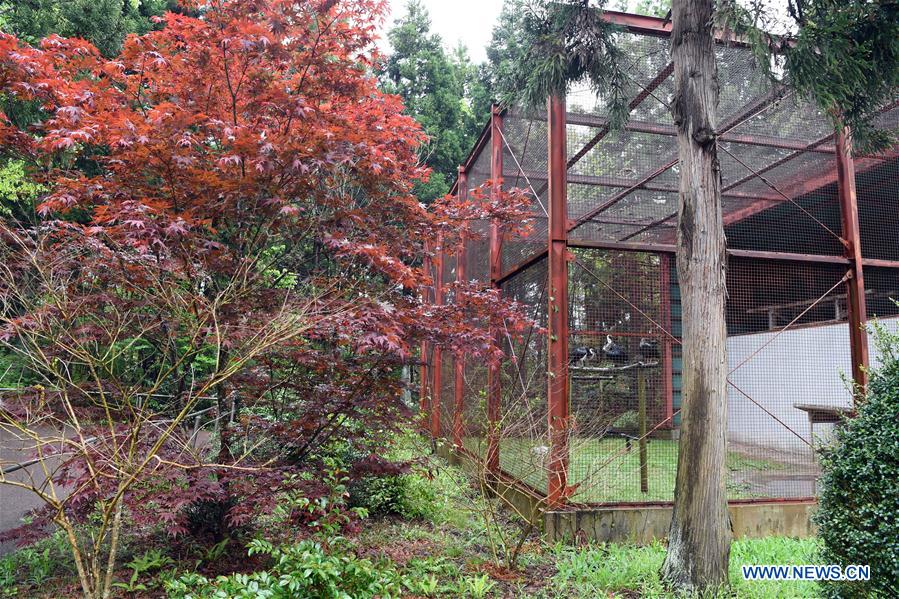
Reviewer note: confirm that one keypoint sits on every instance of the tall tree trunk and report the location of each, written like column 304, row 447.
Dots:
column 700, row 536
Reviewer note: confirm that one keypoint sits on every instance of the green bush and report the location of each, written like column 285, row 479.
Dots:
column 35, row 565
column 300, row 571
column 406, row 495
column 858, row 514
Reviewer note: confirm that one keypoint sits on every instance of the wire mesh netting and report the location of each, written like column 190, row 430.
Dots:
column 789, row 282
column 524, row 138
column 523, row 435
column 621, row 410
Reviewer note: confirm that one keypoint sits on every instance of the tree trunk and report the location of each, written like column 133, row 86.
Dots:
column 699, row 539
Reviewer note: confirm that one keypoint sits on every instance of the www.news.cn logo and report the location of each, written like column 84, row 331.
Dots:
column 809, row 572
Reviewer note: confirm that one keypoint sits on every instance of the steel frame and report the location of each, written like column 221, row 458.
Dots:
column 559, row 242
column 494, row 368
column 855, row 286
column 437, row 375
column 557, row 368
column 459, row 359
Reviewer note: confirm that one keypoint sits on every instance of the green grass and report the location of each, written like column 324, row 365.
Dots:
column 454, row 544
column 616, row 570
column 606, row 471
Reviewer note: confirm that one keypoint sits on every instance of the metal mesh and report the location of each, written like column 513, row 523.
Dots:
column 787, row 310
column 524, row 167
column 447, row 394
column 878, row 210
column 474, row 410
column 620, row 377
column 788, row 347
column 523, row 443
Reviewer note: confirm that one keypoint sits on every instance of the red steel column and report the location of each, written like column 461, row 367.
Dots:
column 558, row 382
column 424, row 400
column 459, row 364
column 437, row 392
column 858, row 337
column 493, row 371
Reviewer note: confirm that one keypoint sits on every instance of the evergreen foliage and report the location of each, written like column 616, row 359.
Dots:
column 544, row 47
column 860, row 486
column 436, row 88
column 104, row 23
column 843, row 54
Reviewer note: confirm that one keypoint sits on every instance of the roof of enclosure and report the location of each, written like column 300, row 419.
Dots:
column 776, row 152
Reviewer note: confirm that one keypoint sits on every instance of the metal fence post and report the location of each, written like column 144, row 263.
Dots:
column 459, row 364
column 858, row 338
column 437, row 391
column 424, row 400
column 558, row 381
column 494, row 369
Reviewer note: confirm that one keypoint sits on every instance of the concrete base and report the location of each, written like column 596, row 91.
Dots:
column 636, row 524
column 644, row 524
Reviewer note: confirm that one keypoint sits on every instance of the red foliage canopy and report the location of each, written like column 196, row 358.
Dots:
column 254, row 140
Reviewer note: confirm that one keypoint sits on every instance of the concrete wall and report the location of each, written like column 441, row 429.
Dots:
column 642, row 525
column 799, row 366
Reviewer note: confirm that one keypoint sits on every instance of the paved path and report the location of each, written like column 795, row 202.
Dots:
column 16, row 502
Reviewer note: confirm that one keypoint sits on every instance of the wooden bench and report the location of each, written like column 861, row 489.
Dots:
column 823, row 414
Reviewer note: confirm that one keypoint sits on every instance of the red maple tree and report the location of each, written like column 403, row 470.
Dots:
column 220, row 174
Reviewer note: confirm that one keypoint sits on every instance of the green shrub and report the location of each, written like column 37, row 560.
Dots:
column 300, row 571
column 858, row 514
column 35, row 565
column 406, row 495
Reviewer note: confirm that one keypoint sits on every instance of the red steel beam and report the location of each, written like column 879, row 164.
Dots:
column 621, row 182
column 655, row 26
column 523, row 265
column 858, row 339
column 591, row 120
column 494, row 367
column 746, row 113
column 459, row 363
column 802, row 184
column 662, row 248
column 660, row 77
column 638, row 23
column 621, row 195
column 558, row 382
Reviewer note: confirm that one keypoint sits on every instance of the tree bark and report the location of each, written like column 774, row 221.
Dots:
column 700, row 535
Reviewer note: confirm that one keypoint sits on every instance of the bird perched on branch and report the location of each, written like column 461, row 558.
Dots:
column 583, row 354
column 614, row 352
column 648, row 348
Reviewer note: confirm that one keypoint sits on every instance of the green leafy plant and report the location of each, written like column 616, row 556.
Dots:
column 216, row 551
column 148, row 562
column 476, row 586
column 860, row 485
column 38, row 563
column 7, row 574
column 428, row 585
column 326, row 516
column 407, row 495
column 303, row 570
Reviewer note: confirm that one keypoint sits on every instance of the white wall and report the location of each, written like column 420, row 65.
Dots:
column 801, row 366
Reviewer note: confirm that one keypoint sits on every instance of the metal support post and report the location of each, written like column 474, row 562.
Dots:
column 459, row 364
column 494, row 368
column 558, row 381
column 437, row 392
column 858, row 338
